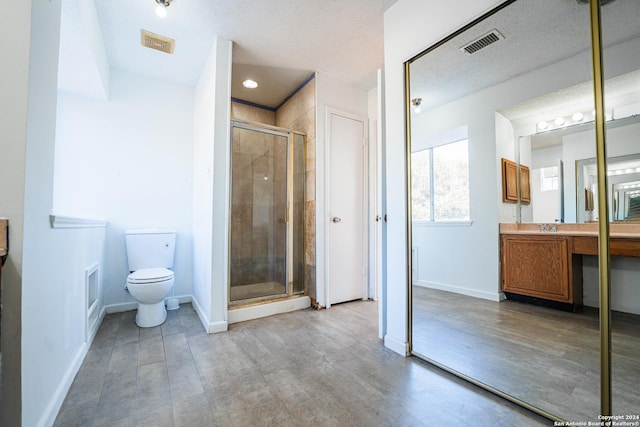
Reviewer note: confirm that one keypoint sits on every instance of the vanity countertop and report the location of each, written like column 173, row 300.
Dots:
column 622, row 231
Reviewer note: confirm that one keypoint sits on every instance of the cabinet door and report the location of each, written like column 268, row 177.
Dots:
column 536, row 266
column 509, row 181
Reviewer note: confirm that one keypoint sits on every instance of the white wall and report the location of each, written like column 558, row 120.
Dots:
column 46, row 265
column 409, row 27
column 211, row 155
column 330, row 94
column 456, row 257
column 129, row 161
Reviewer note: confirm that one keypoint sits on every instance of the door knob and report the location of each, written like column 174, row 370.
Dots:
column 336, row 219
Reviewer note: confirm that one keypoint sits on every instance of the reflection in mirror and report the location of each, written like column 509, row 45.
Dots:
column 623, row 175
column 574, row 147
column 528, row 97
column 626, row 201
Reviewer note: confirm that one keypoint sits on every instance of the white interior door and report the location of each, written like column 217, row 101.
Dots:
column 347, row 202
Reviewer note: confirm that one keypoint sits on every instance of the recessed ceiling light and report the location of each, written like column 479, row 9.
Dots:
column 543, row 125
column 559, row 121
column 250, row 84
column 577, row 117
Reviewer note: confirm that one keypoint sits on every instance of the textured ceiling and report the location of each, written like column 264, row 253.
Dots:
column 536, row 33
column 280, row 42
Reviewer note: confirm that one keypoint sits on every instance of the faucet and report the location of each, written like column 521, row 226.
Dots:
column 546, row 227
column 543, row 227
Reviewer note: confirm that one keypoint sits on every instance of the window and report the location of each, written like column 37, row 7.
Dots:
column 440, row 183
column 549, row 178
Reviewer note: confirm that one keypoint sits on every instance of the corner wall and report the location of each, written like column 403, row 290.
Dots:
column 212, row 113
column 46, row 266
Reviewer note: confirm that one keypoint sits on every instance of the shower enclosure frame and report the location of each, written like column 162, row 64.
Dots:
column 289, row 232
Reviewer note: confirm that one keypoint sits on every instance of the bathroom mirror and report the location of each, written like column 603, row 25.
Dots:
column 573, row 147
column 491, row 85
column 623, row 175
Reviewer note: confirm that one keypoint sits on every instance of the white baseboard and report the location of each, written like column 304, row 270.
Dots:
column 50, row 414
column 133, row 305
column 215, row 327
column 123, row 306
column 400, row 347
column 209, row 326
column 268, row 309
column 491, row 296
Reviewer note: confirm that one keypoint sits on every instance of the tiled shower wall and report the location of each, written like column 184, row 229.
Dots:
column 299, row 114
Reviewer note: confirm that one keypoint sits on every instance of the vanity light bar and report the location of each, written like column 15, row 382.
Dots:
column 623, row 171
column 574, row 119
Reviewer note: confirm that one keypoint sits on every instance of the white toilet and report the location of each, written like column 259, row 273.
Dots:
column 150, row 255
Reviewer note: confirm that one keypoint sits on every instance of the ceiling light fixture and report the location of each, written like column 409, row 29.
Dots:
column 559, row 121
column 577, row 117
column 416, row 104
column 161, row 9
column 543, row 125
column 250, row 84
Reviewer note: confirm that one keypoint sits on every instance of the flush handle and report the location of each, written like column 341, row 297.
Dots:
column 336, row 219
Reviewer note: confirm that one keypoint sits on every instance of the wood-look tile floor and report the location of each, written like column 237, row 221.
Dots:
column 305, row 368
column 546, row 357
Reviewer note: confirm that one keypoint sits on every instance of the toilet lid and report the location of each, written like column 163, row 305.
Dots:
column 147, row 275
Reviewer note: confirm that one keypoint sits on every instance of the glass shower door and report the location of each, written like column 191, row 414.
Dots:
column 258, row 214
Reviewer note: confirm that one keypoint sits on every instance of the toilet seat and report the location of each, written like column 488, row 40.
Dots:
column 150, row 275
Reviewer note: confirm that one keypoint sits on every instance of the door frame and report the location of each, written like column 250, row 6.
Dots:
column 330, row 111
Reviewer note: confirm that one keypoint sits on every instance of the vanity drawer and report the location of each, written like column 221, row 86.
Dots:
column 629, row 247
column 585, row 245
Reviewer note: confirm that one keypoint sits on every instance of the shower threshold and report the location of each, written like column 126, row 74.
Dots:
column 244, row 310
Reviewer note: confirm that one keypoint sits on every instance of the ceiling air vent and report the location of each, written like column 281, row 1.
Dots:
column 482, row 42
column 157, row 42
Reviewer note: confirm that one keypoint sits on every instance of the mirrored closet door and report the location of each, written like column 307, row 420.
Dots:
column 502, row 137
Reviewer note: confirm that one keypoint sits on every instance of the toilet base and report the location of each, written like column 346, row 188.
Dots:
column 150, row 315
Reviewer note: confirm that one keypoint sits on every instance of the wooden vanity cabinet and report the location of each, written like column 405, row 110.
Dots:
column 540, row 267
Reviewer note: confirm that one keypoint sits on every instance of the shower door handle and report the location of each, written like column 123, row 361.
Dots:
column 336, row 219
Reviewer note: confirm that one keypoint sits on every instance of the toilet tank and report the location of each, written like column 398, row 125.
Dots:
column 150, row 248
